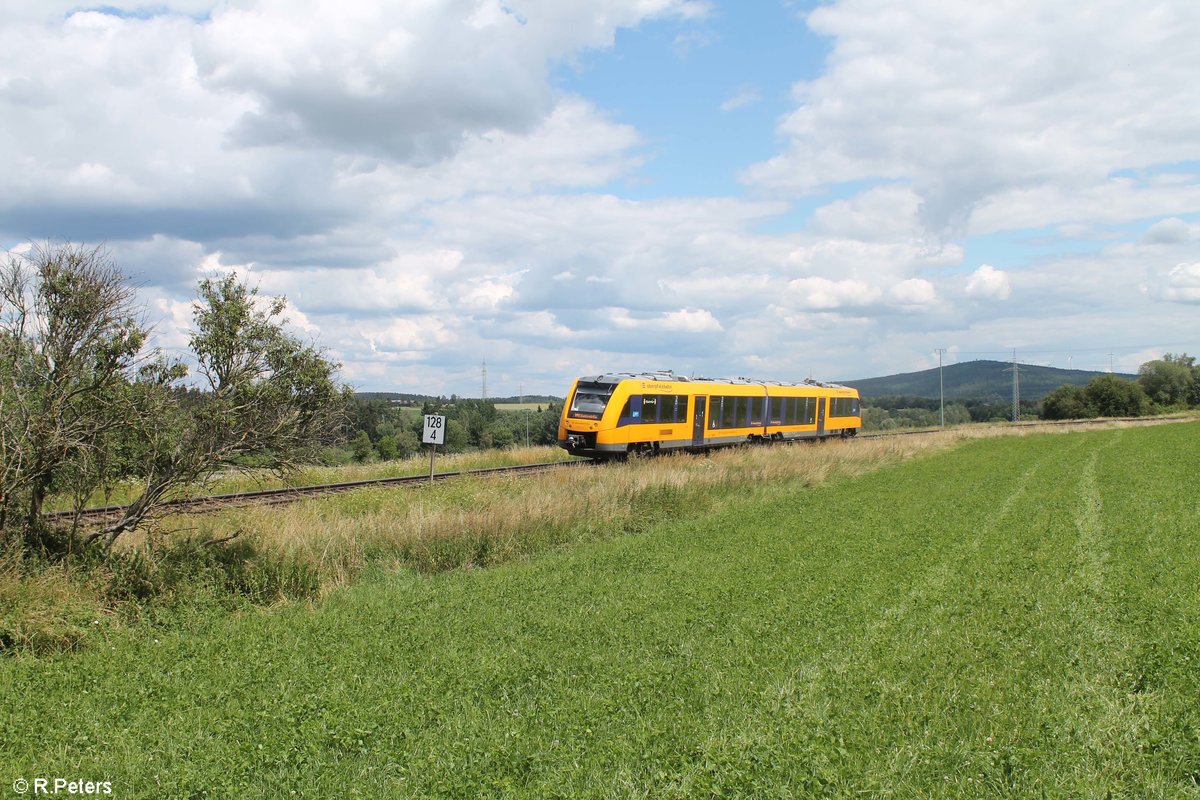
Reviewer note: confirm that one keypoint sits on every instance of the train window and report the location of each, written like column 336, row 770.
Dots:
column 714, row 412
column 590, row 400
column 776, row 406
column 729, row 412
column 756, row 411
column 681, row 403
column 810, row 410
column 667, row 407
column 631, row 412
column 843, row 406
column 650, row 408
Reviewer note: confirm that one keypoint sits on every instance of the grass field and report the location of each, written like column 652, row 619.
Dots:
column 1008, row 617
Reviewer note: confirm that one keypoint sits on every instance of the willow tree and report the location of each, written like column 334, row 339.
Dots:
column 71, row 338
column 267, row 400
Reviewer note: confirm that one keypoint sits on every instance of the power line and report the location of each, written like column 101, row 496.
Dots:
column 941, row 386
column 1016, row 388
column 1015, row 370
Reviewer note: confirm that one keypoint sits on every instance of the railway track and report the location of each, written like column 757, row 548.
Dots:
column 293, row 493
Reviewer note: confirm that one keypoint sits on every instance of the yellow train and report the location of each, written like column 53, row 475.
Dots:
column 608, row 416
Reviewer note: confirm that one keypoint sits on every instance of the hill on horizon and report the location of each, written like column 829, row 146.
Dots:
column 975, row 380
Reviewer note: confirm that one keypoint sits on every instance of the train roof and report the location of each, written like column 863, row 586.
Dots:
column 669, row 375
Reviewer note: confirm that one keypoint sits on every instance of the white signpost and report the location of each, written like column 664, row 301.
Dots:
column 434, row 434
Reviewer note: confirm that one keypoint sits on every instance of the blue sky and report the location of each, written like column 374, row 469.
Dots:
column 774, row 189
column 746, row 55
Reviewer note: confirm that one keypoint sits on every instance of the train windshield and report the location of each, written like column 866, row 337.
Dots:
column 590, row 400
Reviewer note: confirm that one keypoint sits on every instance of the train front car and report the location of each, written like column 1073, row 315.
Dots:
column 583, row 415
column 612, row 416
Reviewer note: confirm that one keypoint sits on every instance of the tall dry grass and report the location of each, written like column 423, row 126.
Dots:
column 479, row 521
column 47, row 608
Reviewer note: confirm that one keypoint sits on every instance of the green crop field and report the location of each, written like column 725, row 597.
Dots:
column 520, row 406
column 1009, row 617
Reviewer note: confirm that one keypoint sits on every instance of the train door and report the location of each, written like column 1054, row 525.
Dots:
column 698, row 423
column 820, row 416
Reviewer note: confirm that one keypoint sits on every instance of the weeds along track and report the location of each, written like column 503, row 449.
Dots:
column 267, row 497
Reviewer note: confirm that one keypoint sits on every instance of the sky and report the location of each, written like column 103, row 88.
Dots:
column 776, row 190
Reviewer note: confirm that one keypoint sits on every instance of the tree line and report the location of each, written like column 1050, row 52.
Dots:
column 897, row 411
column 1170, row 383
column 382, row 431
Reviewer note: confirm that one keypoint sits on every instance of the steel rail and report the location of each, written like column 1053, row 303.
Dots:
column 290, row 494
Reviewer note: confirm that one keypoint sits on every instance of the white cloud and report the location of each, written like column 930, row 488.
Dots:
column 824, row 294
column 876, row 261
column 488, row 293
column 687, row 320
column 721, row 290
column 881, row 214
column 988, row 283
column 746, row 95
column 914, row 293
column 1169, row 231
column 970, row 101
column 1182, row 283
column 1112, row 201
column 407, row 335
column 407, row 81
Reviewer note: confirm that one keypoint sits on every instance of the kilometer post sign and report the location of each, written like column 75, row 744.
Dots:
column 435, row 429
column 434, row 434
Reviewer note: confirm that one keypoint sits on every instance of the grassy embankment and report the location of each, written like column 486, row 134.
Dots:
column 1013, row 617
